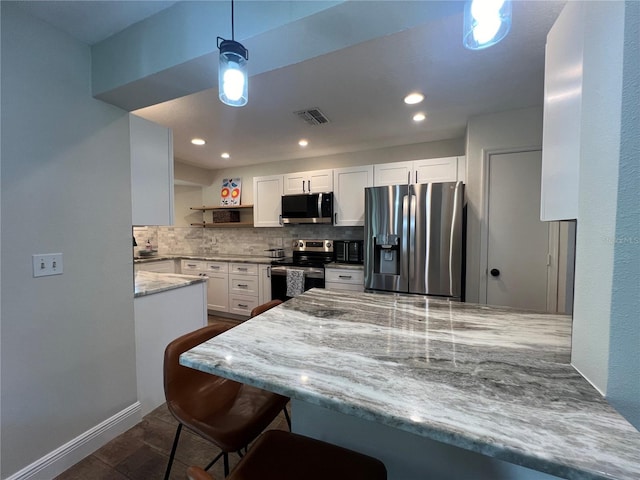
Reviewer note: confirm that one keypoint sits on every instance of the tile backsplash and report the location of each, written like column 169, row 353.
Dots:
column 236, row 241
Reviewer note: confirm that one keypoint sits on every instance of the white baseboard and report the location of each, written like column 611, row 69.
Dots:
column 67, row 455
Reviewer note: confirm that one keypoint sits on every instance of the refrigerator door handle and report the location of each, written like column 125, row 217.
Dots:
column 412, row 238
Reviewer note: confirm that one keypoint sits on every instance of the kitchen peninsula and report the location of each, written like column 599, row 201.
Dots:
column 166, row 306
column 435, row 389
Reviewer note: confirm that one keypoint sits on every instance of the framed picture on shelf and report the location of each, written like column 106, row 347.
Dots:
column 231, row 192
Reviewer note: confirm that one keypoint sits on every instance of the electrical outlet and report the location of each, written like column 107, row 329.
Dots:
column 45, row 264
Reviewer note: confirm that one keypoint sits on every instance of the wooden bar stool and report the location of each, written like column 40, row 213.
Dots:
column 280, row 455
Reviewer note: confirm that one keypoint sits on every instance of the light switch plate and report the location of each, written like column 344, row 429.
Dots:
column 45, row 264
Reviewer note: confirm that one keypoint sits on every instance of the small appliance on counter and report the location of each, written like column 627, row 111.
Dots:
column 275, row 252
column 348, row 251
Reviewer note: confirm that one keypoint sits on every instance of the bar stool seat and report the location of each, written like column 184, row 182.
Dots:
column 280, row 455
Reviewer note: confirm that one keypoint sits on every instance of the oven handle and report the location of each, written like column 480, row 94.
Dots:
column 308, row 272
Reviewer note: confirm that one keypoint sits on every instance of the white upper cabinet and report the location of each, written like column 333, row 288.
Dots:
column 151, row 148
column 448, row 169
column 267, row 204
column 317, row 181
column 435, row 170
column 349, row 184
column 397, row 173
column 562, row 115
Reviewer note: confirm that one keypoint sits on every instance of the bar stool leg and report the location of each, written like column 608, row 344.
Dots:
column 173, row 451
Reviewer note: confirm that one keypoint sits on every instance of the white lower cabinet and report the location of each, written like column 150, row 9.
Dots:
column 344, row 279
column 232, row 287
column 159, row 319
column 264, row 284
column 217, row 285
column 243, row 288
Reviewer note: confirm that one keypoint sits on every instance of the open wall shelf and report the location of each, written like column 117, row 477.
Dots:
column 223, row 224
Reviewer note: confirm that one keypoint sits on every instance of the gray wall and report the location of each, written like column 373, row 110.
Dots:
column 503, row 131
column 68, row 358
column 624, row 364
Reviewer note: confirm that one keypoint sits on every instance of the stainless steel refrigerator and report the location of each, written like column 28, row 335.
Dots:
column 414, row 239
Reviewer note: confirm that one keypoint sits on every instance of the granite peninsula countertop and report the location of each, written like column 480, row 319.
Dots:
column 493, row 380
column 148, row 283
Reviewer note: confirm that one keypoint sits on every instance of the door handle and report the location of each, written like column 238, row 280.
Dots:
column 494, row 272
column 344, row 276
column 335, row 217
column 309, row 186
column 280, row 219
column 416, row 176
column 303, row 191
column 268, row 272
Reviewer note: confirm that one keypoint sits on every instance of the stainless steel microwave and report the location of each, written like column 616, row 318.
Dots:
column 307, row 208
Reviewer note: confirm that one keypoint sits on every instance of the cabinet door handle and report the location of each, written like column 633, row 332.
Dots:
column 268, row 272
column 215, row 267
column 335, row 217
column 344, row 276
column 191, row 265
column 242, row 305
column 242, row 269
column 309, row 186
column 242, row 285
column 416, row 176
column 303, row 191
column 408, row 177
column 280, row 219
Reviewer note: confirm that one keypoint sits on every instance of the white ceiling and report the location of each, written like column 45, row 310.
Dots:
column 359, row 88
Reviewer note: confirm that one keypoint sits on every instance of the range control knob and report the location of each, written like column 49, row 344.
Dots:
column 328, row 244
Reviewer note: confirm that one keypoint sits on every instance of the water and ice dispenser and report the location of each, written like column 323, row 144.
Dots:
column 386, row 254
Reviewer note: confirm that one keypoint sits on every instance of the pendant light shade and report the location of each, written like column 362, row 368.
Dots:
column 486, row 22
column 232, row 73
column 233, row 77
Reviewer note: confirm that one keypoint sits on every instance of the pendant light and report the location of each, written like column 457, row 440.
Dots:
column 486, row 22
column 232, row 70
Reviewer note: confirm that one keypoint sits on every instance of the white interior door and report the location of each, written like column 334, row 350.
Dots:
column 517, row 258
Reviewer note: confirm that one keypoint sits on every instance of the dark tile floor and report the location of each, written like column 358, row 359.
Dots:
column 142, row 452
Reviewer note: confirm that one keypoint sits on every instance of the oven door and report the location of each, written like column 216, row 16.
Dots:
column 313, row 278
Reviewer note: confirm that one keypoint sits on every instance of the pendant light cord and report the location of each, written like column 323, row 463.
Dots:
column 232, row 32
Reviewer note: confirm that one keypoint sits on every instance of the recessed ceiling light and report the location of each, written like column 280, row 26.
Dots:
column 419, row 117
column 225, row 155
column 198, row 141
column 303, row 142
column 413, row 98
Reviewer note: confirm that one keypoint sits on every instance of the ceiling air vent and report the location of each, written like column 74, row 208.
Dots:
column 312, row 116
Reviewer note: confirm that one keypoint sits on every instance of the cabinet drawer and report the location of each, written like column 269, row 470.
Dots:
column 344, row 275
column 242, row 305
column 217, row 267
column 344, row 286
column 244, row 268
column 195, row 266
column 243, row 285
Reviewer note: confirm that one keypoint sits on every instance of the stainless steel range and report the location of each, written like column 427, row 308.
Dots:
column 310, row 257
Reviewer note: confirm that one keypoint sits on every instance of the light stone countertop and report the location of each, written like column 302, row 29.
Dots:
column 493, row 380
column 148, row 283
column 345, row 266
column 210, row 258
